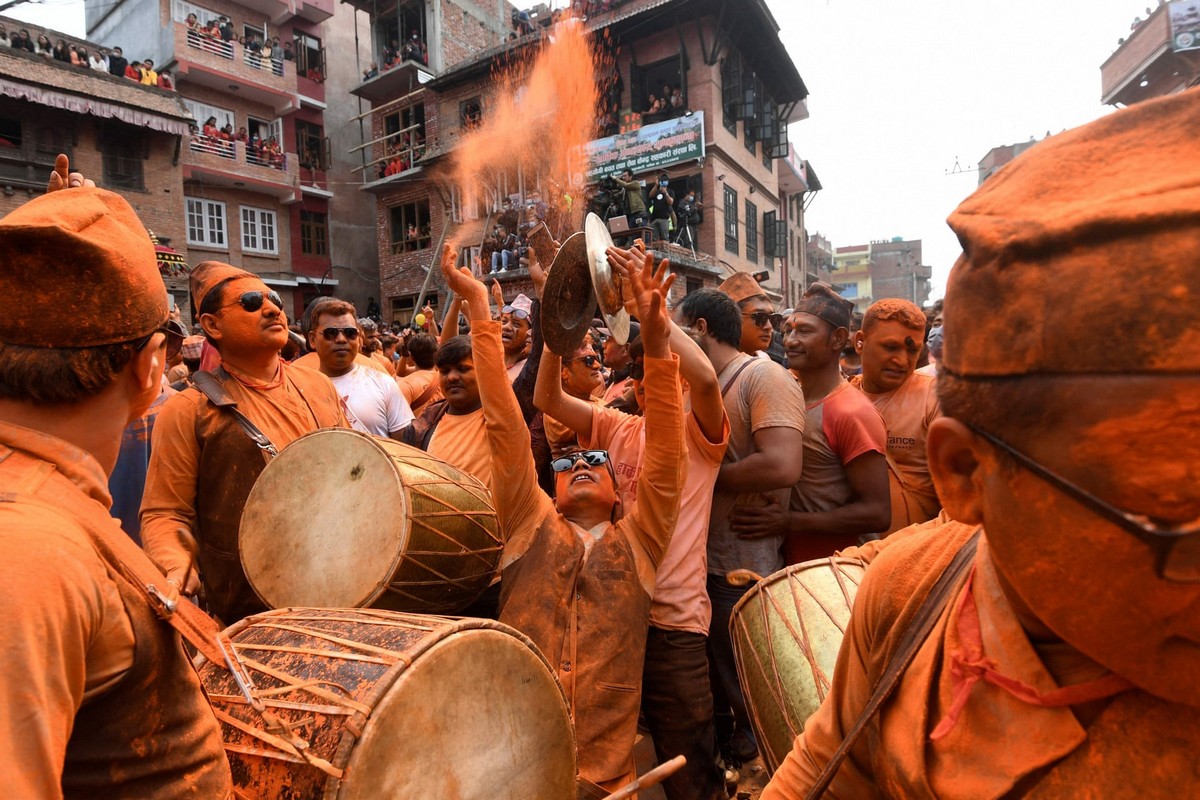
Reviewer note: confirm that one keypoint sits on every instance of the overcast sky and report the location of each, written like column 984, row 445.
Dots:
column 901, row 92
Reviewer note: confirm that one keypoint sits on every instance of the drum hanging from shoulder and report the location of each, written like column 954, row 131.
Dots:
column 367, row 704
column 341, row 519
column 787, row 631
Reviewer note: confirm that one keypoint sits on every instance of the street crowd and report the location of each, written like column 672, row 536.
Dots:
column 1016, row 468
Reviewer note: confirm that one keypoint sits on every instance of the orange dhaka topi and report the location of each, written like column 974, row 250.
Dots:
column 208, row 274
column 77, row 269
column 741, row 285
column 1088, row 239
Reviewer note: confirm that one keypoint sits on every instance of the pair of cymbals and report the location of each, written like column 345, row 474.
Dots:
column 580, row 279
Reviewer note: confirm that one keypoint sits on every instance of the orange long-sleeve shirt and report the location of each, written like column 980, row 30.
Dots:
column 586, row 607
column 1138, row 745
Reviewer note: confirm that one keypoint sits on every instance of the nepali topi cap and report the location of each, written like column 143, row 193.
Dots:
column 78, row 269
column 740, row 286
column 207, row 275
column 824, row 303
column 1087, row 239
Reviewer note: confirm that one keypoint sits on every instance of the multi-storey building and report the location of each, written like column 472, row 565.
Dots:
column 260, row 200
column 997, row 157
column 1161, row 56
column 851, row 273
column 739, row 91
column 865, row 273
column 120, row 133
column 797, row 183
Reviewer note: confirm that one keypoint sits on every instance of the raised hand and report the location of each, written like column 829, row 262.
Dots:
column 464, row 284
column 497, row 295
column 537, row 274
column 63, row 178
column 649, row 288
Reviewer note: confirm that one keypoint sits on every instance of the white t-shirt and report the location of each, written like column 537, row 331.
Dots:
column 373, row 401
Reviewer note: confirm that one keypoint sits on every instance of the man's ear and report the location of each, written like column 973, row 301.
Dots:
column 839, row 338
column 953, row 451
column 312, row 341
column 858, row 339
column 211, row 325
column 146, row 366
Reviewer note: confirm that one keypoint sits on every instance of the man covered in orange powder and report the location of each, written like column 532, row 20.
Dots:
column 1063, row 658
column 203, row 463
column 577, row 576
column 890, row 342
column 98, row 697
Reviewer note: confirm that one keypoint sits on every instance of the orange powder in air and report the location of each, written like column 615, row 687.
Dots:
column 542, row 114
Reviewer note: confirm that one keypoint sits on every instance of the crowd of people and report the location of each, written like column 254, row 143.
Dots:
column 112, row 62
column 1025, row 511
column 264, row 52
column 403, row 151
column 264, row 151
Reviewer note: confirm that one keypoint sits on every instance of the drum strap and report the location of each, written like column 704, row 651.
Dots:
column 734, row 376
column 208, row 384
column 915, row 634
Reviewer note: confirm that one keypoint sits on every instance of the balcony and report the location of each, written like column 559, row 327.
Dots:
column 218, row 162
column 1145, row 66
column 391, row 84
column 228, row 67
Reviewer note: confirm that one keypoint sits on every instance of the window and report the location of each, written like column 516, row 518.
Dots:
column 310, row 145
column 751, row 232
column 123, row 165
column 258, row 230
column 662, row 81
column 407, row 122
column 180, row 11
column 410, row 227
column 731, row 220
column 310, row 56
column 202, row 111
column 314, row 234
column 731, row 93
column 27, row 153
column 205, row 222
column 470, row 112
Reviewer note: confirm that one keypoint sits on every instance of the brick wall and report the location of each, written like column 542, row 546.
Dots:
column 232, row 253
column 467, row 28
column 402, row 274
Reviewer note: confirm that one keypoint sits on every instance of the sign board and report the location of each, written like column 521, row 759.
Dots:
column 1185, row 24
column 649, row 148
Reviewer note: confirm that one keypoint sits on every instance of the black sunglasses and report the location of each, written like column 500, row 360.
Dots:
column 253, row 301
column 760, row 318
column 588, row 361
column 1176, row 550
column 331, row 334
column 637, row 370
column 519, row 313
column 174, row 331
column 593, row 458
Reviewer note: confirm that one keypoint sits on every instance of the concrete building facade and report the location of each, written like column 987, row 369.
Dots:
column 1160, row 56
column 883, row 268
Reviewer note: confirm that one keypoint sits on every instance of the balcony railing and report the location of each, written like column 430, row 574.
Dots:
column 238, row 152
column 257, row 61
column 209, row 61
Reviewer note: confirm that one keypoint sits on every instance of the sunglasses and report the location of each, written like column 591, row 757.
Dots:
column 760, row 318
column 637, row 370
column 174, row 331
column 331, row 334
column 519, row 313
column 253, row 301
column 593, row 458
column 588, row 361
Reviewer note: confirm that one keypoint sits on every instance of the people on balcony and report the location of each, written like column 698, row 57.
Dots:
column 165, row 81
column 225, row 29
column 61, row 53
column 391, row 55
column 99, row 60
column 134, row 71
column 371, row 71
column 288, row 54
column 44, row 48
column 149, row 75
column 79, row 57
column 192, row 22
column 117, row 63
column 210, row 128
column 414, row 49
column 22, row 41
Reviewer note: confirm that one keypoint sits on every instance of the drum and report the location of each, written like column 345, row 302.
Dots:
column 341, row 519
column 391, row 706
column 786, row 634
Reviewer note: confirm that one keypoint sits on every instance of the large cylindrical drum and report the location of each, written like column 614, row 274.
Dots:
column 341, row 519
column 786, row 634
column 366, row 704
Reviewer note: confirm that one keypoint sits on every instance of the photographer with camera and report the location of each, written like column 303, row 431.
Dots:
column 635, row 203
column 689, row 212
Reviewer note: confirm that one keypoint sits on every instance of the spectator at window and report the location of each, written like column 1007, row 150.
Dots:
column 61, row 53
column 23, row 41
column 371, row 71
column 225, row 30
column 44, row 47
column 267, row 51
column 134, row 71
column 117, row 63
column 164, row 80
column 654, row 105
column 288, row 55
column 149, row 76
column 414, row 49
column 213, row 29
column 677, row 99
column 242, row 136
column 99, row 60
column 210, row 128
column 391, row 56
column 227, row 132
column 505, row 249
column 192, row 22
column 79, row 57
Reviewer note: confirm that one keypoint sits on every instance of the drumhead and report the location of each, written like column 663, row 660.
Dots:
column 326, row 523
column 478, row 716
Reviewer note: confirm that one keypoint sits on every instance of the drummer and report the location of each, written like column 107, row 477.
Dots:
column 203, row 463
column 98, row 698
column 578, row 577
column 1063, row 661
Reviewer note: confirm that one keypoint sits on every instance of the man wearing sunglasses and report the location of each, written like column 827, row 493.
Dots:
column 203, row 462
column 756, row 309
column 580, row 377
column 515, row 324
column 1062, row 659
column 98, row 697
column 577, row 576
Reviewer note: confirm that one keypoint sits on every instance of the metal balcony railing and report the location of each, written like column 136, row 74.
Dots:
column 230, row 149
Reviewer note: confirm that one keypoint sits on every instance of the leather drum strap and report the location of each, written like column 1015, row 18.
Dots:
column 208, row 384
column 734, row 376
column 914, row 636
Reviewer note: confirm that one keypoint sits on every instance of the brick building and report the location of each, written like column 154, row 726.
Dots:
column 739, row 89
column 997, row 157
column 1160, row 56
column 883, row 268
column 122, row 134
column 263, row 209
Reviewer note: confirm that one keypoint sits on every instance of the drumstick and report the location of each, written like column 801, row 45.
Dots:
column 651, row 778
column 740, row 577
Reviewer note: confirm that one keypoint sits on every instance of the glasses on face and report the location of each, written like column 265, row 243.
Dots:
column 593, row 458
column 331, row 334
column 519, row 313
column 591, row 362
column 174, row 332
column 637, row 370
column 760, row 318
column 253, row 301
column 1176, row 550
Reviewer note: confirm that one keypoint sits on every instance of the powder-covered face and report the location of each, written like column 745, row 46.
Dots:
column 755, row 337
column 889, row 354
column 1134, row 442
column 239, row 329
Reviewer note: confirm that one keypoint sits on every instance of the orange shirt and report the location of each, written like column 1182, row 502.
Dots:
column 415, row 386
column 461, row 440
column 997, row 740
column 561, row 438
column 302, row 403
column 680, row 588
column 907, row 412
